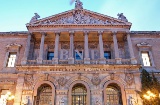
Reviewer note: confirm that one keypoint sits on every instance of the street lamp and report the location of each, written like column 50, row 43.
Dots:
column 7, row 97
column 149, row 95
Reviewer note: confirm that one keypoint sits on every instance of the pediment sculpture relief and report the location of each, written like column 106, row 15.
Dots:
column 79, row 17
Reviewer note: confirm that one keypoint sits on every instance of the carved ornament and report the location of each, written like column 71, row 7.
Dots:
column 129, row 77
column 95, row 79
column 62, row 81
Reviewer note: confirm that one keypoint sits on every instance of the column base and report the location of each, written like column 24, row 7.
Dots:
column 118, row 60
column 133, row 61
column 70, row 60
column 55, row 60
column 39, row 61
column 102, row 61
column 86, row 60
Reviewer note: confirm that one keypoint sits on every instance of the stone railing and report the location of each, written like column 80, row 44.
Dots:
column 126, row 61
column 110, row 61
column 107, row 61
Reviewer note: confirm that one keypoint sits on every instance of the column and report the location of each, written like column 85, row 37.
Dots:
column 19, row 87
column 71, row 50
column 41, row 51
column 57, row 35
column 102, row 59
column 86, row 50
column 133, row 59
column 116, row 50
column 27, row 48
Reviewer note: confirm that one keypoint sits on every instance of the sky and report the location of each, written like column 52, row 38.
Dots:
column 143, row 14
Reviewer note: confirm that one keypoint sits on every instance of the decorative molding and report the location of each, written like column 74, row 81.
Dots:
column 62, row 80
column 7, row 81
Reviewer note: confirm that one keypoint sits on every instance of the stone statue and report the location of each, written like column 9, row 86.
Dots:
column 122, row 17
column 34, row 18
column 78, row 5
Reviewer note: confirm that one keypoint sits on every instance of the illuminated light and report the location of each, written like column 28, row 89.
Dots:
column 147, row 97
column 12, row 97
column 9, row 93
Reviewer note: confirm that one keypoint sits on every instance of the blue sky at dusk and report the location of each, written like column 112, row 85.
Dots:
column 143, row 14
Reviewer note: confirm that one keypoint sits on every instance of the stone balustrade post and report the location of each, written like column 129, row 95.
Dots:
column 71, row 50
column 116, row 50
column 86, row 50
column 102, row 59
column 57, row 34
column 27, row 48
column 132, row 57
column 41, row 51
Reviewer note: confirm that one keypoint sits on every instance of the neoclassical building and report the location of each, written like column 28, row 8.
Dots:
column 78, row 57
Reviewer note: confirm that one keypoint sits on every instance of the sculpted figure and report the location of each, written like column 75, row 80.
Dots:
column 34, row 18
column 122, row 17
column 79, row 4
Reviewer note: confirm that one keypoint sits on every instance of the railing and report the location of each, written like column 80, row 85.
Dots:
column 107, row 61
column 110, row 61
column 126, row 61
column 79, row 62
column 63, row 61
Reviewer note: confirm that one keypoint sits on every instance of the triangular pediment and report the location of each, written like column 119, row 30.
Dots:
column 79, row 17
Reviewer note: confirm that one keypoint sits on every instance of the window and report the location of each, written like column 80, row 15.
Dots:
column 77, row 55
column 145, row 59
column 113, row 96
column 79, row 95
column 107, row 54
column 11, row 59
column 50, row 55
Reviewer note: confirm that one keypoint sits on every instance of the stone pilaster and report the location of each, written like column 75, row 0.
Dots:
column 61, row 97
column 19, row 88
column 97, row 97
column 116, row 50
column 71, row 50
column 86, row 50
column 133, row 59
column 41, row 51
column 102, row 59
column 27, row 48
column 55, row 59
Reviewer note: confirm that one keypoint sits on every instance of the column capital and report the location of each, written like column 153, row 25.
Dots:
column 86, row 32
column 100, row 32
column 57, row 32
column 43, row 33
column 71, row 32
column 114, row 32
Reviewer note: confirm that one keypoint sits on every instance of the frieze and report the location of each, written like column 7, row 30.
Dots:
column 61, row 92
column 96, row 92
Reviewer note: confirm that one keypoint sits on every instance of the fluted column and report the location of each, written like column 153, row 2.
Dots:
column 86, row 50
column 102, row 59
column 133, row 60
column 26, row 53
column 57, row 34
column 41, row 51
column 71, row 50
column 116, row 50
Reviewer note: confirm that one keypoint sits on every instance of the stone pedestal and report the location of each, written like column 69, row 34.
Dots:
column 102, row 61
column 55, row 60
column 118, row 60
column 39, row 61
column 70, row 60
column 133, row 61
column 86, row 60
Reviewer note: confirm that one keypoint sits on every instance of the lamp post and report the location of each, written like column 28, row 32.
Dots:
column 149, row 96
column 7, row 97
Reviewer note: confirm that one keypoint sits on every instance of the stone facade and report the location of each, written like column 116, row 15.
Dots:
column 83, row 34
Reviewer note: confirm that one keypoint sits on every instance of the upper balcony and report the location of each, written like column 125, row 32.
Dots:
column 79, row 47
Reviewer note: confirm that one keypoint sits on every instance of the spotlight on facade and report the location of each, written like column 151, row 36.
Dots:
column 7, row 97
column 149, row 95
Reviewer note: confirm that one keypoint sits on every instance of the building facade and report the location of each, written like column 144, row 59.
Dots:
column 77, row 57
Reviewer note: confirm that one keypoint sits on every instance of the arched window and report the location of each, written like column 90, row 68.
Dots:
column 44, row 95
column 79, row 94
column 113, row 95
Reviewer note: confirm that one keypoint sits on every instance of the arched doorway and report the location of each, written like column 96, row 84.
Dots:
column 44, row 95
column 79, row 94
column 113, row 95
